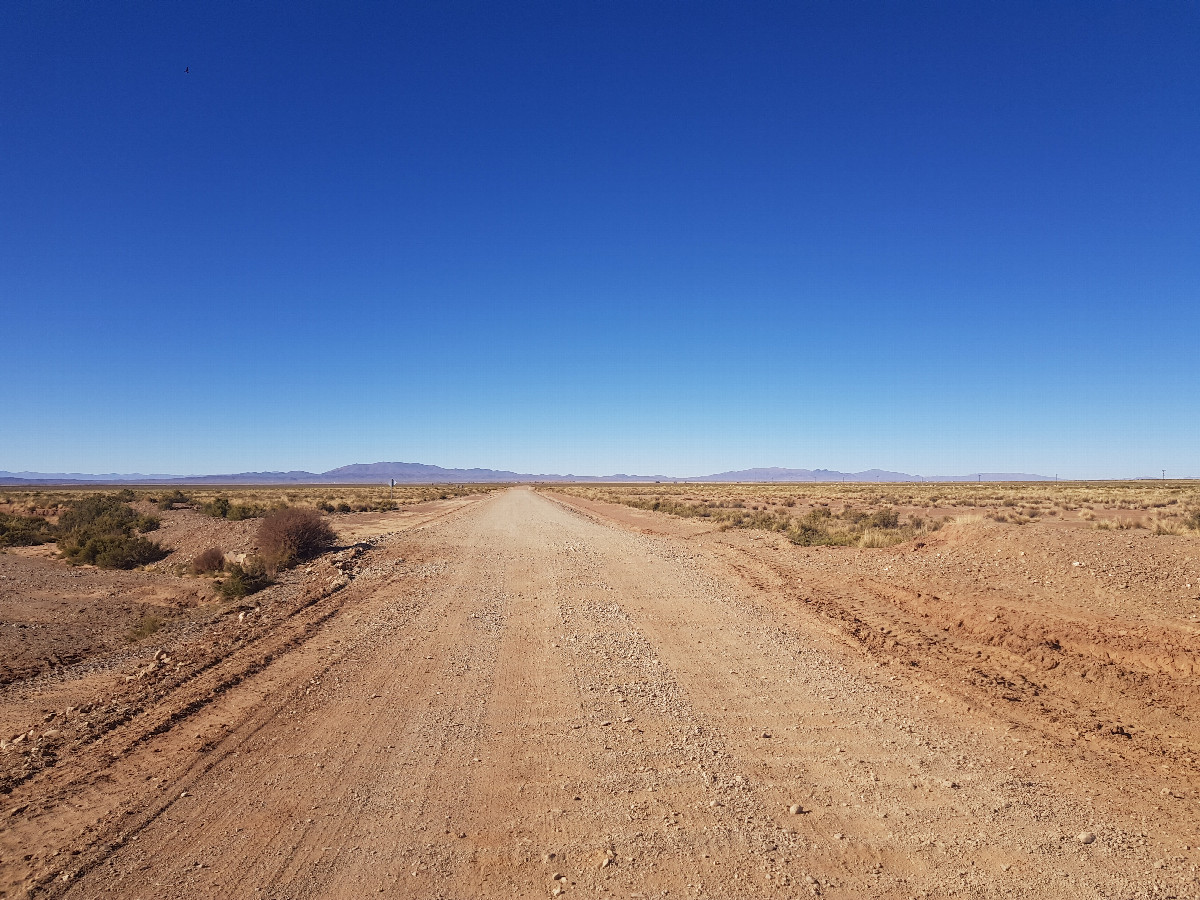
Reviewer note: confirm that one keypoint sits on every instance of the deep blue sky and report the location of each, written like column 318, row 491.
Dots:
column 638, row 237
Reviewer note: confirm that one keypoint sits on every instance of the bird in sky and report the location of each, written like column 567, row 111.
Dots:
column 187, row 70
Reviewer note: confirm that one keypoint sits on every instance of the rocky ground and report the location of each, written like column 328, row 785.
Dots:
column 541, row 695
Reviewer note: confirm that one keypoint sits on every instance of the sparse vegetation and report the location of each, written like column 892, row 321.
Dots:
column 243, row 581
column 208, row 561
column 879, row 515
column 223, row 508
column 146, row 627
column 292, row 534
column 99, row 530
column 173, row 499
column 24, row 530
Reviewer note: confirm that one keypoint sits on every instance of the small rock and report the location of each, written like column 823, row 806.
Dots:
column 1086, row 837
column 766, row 734
column 795, row 809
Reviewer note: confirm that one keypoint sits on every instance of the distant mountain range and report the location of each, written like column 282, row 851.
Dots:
column 419, row 473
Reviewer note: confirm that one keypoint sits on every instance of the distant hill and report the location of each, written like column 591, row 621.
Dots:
column 420, row 473
column 870, row 475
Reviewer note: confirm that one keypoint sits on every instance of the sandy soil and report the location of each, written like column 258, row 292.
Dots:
column 528, row 695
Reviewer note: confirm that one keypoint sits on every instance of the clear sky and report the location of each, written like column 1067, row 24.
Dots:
column 642, row 237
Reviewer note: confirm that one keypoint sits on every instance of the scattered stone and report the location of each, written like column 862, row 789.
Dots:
column 795, row 809
column 1086, row 837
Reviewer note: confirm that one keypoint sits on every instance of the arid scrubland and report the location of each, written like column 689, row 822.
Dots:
column 714, row 690
column 242, row 501
column 882, row 515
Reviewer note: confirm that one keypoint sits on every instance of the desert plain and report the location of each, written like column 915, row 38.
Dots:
column 684, row 691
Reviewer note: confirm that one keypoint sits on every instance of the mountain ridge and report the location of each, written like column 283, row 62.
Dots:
column 423, row 473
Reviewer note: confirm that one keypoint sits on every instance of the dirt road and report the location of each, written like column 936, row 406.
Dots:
column 524, row 699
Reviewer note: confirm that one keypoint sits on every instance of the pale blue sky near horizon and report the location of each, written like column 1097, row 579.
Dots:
column 666, row 238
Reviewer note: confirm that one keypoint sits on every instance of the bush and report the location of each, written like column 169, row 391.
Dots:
column 148, row 523
column 242, row 582
column 24, row 531
column 98, row 530
column 218, row 508
column 171, row 500
column 148, row 626
column 884, row 518
column 292, row 534
column 221, row 508
column 210, row 560
column 112, row 551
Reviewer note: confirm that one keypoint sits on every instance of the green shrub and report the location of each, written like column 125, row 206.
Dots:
column 218, row 508
column 173, row 499
column 98, row 530
column 148, row 523
column 221, row 508
column 111, row 551
column 242, row 582
column 24, row 531
column 884, row 518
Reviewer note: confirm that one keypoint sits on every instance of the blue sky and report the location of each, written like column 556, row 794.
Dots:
column 642, row 237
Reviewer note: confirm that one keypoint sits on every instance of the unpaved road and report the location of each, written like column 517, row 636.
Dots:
column 525, row 699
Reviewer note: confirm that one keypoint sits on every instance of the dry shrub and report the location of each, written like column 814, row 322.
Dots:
column 149, row 625
column 292, row 534
column 210, row 560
